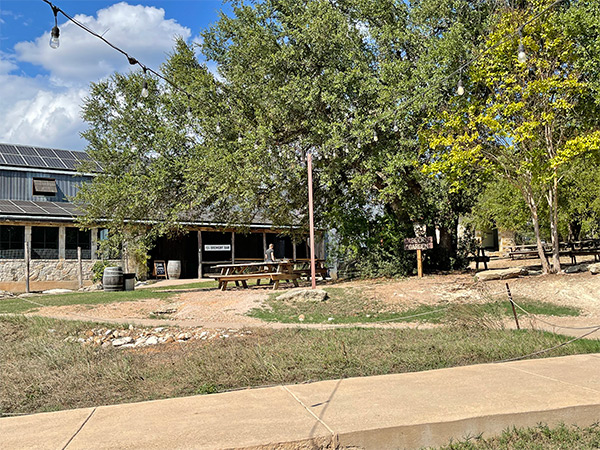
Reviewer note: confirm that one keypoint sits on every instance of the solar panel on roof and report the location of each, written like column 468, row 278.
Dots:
column 14, row 159
column 34, row 161
column 71, row 163
column 29, row 151
column 6, row 206
column 46, row 152
column 7, row 148
column 81, row 156
column 63, row 153
column 30, row 208
column 55, row 163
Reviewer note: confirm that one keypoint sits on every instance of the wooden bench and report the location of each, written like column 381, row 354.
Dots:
column 587, row 252
column 321, row 271
column 276, row 277
column 523, row 254
column 480, row 257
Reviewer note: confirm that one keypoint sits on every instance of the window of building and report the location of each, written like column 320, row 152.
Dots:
column 103, row 249
column 12, row 242
column 44, row 186
column 44, row 242
column 78, row 238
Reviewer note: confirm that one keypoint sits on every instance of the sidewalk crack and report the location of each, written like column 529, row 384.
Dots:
column 554, row 379
column 309, row 411
column 79, row 429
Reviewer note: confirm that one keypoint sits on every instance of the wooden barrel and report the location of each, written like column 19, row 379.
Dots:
column 112, row 279
column 174, row 269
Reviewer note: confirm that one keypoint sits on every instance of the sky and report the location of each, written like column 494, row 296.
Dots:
column 42, row 89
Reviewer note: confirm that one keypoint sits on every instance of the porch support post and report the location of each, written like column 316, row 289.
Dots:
column 94, row 232
column 233, row 247
column 61, row 242
column 200, row 254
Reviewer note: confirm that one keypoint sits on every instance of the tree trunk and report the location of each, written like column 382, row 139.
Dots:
column 536, row 228
column 553, row 207
column 574, row 230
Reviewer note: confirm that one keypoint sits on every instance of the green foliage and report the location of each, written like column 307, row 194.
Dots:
column 524, row 122
column 98, row 269
column 318, row 75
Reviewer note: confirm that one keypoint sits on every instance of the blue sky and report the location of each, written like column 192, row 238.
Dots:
column 41, row 89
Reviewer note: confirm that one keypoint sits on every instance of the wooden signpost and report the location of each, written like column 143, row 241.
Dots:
column 419, row 244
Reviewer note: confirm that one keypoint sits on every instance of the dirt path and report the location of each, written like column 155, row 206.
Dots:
column 213, row 308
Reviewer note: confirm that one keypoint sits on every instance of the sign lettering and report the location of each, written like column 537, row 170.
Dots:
column 418, row 243
column 217, row 248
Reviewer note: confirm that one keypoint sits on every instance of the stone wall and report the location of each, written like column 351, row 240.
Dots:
column 13, row 270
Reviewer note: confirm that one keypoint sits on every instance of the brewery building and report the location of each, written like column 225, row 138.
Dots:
column 36, row 185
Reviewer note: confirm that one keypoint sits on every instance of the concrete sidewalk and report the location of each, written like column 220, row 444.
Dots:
column 392, row 411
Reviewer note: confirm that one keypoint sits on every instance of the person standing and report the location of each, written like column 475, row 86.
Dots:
column 270, row 254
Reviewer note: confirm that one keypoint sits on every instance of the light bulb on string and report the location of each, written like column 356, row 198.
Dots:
column 460, row 90
column 375, row 137
column 145, row 91
column 55, row 33
column 521, row 55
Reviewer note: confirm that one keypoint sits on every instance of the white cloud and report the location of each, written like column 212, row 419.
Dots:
column 46, row 110
column 38, row 115
column 142, row 32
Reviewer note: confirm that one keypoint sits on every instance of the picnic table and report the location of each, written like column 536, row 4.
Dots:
column 274, row 271
column 570, row 249
column 302, row 267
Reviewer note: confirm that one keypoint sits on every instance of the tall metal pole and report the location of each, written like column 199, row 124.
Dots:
column 312, row 223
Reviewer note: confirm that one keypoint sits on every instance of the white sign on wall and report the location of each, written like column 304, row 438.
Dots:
column 217, row 248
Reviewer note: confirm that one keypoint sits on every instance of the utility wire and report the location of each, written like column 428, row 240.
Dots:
column 131, row 59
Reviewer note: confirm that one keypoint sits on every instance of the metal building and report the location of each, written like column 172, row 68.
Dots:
column 35, row 187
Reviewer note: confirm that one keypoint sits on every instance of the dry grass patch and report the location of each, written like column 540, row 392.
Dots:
column 43, row 372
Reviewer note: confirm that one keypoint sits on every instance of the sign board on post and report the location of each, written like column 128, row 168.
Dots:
column 419, row 244
column 217, row 248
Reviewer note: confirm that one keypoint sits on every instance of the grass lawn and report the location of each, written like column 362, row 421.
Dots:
column 538, row 438
column 43, row 372
column 349, row 306
column 22, row 305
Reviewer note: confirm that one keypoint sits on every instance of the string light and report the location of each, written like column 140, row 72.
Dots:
column 55, row 33
column 460, row 90
column 145, row 91
column 476, row 58
column 54, row 44
column 521, row 56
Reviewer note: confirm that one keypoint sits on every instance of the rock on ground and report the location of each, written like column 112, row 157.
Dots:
column 577, row 268
column 57, row 291
column 311, row 295
column 594, row 268
column 503, row 274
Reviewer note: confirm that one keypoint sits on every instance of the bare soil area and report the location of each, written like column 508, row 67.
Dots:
column 214, row 308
